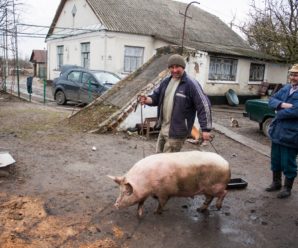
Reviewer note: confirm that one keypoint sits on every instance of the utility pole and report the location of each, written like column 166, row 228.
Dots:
column 5, row 51
column 185, row 15
column 16, row 44
column 3, row 61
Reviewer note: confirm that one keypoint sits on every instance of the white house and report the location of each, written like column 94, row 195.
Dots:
column 121, row 35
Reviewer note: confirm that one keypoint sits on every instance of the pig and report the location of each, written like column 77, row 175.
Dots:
column 181, row 174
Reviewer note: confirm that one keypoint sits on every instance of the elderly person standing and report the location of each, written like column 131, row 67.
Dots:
column 284, row 135
column 179, row 98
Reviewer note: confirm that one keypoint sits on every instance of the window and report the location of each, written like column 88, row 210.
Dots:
column 85, row 55
column 88, row 78
column 133, row 58
column 256, row 72
column 222, row 69
column 74, row 76
column 60, row 56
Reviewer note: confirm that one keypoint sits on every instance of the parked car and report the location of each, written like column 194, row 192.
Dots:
column 81, row 85
column 259, row 111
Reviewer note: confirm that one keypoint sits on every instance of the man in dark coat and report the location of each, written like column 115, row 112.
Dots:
column 284, row 135
column 178, row 98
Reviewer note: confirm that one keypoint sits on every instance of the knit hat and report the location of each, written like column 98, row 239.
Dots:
column 294, row 68
column 176, row 59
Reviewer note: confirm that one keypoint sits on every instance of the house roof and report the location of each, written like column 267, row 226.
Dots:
column 163, row 19
column 38, row 56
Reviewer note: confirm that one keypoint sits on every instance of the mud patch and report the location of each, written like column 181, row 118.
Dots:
column 25, row 223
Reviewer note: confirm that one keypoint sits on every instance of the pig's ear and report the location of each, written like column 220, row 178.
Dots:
column 117, row 180
column 128, row 189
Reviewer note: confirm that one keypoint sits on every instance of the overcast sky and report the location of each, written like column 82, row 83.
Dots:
column 41, row 12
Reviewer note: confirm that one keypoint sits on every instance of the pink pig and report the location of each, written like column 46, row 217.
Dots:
column 165, row 175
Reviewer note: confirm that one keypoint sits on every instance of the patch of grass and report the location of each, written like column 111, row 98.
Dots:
column 89, row 118
column 25, row 122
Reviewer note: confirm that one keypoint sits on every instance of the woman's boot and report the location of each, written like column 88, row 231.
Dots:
column 287, row 188
column 276, row 183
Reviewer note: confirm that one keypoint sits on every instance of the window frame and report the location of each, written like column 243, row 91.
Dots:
column 85, row 55
column 254, row 79
column 131, row 61
column 221, row 62
column 60, row 55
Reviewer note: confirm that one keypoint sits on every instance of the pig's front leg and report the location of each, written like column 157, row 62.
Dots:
column 162, row 200
column 141, row 208
column 206, row 203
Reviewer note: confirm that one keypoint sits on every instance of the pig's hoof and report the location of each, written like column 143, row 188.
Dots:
column 140, row 213
column 218, row 207
column 158, row 211
column 202, row 209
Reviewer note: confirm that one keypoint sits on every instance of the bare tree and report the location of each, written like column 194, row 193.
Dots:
column 9, row 13
column 273, row 28
column 5, row 6
column 9, row 10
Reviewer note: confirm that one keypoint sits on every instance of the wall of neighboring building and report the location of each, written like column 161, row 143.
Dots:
column 72, row 43
column 277, row 73
column 111, row 56
column 198, row 67
column 106, row 50
column 83, row 16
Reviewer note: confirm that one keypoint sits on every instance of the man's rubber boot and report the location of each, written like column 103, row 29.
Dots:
column 276, row 182
column 287, row 188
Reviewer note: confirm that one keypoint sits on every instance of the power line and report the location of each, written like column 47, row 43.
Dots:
column 64, row 28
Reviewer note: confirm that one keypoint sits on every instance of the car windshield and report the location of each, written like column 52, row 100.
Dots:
column 106, row 78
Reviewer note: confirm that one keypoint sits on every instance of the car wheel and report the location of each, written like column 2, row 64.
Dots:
column 266, row 125
column 60, row 97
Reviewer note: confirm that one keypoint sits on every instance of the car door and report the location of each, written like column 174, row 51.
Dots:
column 72, row 85
column 91, row 88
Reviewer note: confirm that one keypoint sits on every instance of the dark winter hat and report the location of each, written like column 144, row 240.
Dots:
column 176, row 59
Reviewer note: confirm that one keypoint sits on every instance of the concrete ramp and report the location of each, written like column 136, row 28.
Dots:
column 108, row 111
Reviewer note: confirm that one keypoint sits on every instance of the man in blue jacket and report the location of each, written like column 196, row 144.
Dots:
column 178, row 99
column 284, row 135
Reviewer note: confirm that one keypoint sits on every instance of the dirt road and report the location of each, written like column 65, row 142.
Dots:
column 58, row 195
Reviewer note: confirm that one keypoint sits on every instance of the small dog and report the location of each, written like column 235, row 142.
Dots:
column 234, row 123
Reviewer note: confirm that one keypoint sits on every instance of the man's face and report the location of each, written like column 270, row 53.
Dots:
column 294, row 77
column 176, row 71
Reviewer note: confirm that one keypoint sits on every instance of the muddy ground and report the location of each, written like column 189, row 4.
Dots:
column 57, row 193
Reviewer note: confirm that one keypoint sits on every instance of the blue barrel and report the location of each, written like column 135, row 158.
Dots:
column 232, row 97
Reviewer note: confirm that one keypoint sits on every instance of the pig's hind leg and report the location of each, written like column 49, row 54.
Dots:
column 220, row 198
column 204, row 207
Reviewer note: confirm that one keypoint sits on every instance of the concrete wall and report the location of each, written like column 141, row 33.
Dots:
column 84, row 16
column 106, row 50
column 198, row 67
